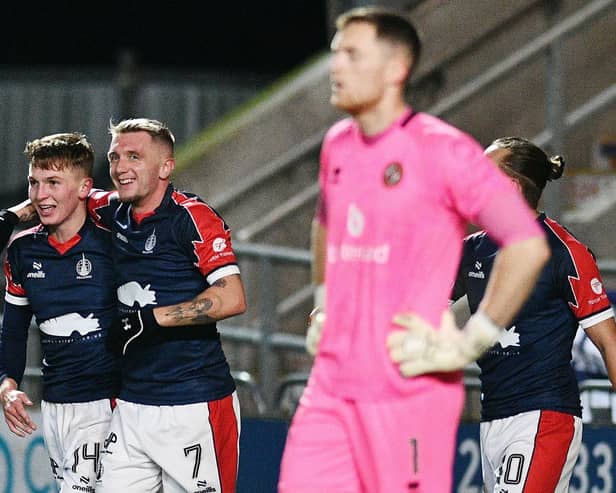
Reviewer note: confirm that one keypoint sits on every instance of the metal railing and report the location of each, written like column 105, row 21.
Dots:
column 269, row 337
column 546, row 43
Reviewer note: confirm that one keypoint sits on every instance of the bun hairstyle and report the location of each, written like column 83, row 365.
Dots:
column 557, row 166
column 529, row 165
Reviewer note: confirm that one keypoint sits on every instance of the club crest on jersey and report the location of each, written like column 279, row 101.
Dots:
column 392, row 174
column 38, row 273
column 83, row 268
column 150, row 243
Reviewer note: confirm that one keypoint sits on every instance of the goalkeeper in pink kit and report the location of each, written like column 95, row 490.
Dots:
column 382, row 406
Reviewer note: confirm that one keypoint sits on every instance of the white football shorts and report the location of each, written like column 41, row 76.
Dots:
column 74, row 434
column 186, row 448
column 531, row 452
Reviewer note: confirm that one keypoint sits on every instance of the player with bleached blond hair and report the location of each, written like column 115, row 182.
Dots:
column 177, row 421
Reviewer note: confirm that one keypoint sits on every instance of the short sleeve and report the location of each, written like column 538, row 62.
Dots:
column 579, row 280
column 206, row 238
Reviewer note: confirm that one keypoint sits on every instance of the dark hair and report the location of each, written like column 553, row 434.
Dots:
column 530, row 165
column 59, row 151
column 390, row 25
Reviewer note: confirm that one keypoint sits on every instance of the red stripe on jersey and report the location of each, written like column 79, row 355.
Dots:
column 96, row 200
column 13, row 287
column 223, row 423
column 213, row 250
column 554, row 436
column 587, row 278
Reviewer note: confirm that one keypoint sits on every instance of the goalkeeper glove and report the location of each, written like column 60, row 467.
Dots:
column 133, row 329
column 422, row 349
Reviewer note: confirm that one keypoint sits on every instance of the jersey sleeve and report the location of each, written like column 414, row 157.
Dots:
column 102, row 206
column 8, row 220
column 15, row 292
column 485, row 196
column 206, row 238
column 580, row 281
column 15, row 321
column 14, row 340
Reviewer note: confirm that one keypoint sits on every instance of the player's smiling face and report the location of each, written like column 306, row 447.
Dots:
column 139, row 168
column 357, row 68
column 57, row 194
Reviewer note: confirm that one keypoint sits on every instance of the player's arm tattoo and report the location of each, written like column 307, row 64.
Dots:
column 195, row 311
column 221, row 283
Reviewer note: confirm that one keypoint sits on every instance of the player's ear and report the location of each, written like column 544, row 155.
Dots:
column 166, row 168
column 397, row 67
column 85, row 186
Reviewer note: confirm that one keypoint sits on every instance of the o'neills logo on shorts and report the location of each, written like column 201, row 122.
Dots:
column 359, row 253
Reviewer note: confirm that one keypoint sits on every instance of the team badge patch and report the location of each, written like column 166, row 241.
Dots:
column 219, row 244
column 83, row 268
column 150, row 243
column 596, row 286
column 393, row 174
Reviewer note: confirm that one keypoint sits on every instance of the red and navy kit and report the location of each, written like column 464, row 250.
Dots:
column 69, row 288
column 165, row 258
column 530, row 367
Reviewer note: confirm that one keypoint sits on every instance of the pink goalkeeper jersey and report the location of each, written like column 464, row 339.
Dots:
column 396, row 207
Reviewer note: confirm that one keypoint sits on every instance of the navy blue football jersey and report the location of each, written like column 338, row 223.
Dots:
column 530, row 367
column 165, row 258
column 69, row 289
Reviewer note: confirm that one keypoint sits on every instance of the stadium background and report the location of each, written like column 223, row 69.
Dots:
column 244, row 87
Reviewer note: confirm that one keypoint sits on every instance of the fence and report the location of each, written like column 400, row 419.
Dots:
column 35, row 102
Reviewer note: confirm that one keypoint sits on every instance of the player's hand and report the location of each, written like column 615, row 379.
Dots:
column 420, row 348
column 25, row 211
column 131, row 330
column 13, row 405
column 423, row 349
column 313, row 336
